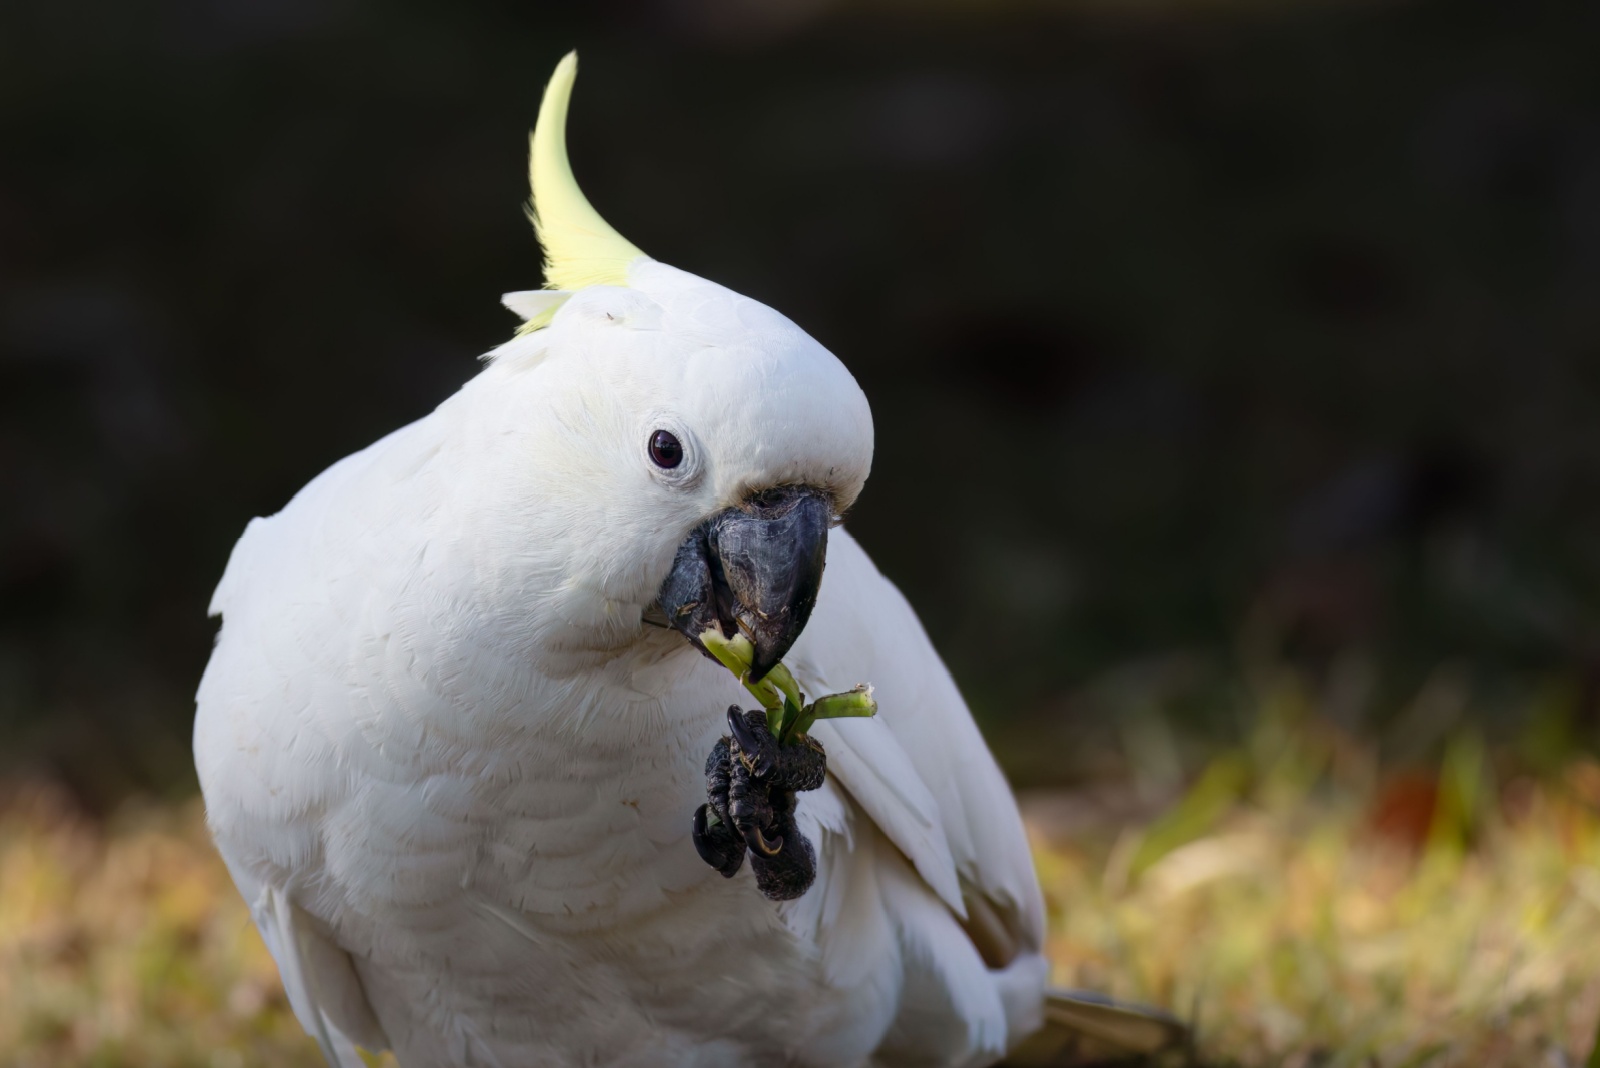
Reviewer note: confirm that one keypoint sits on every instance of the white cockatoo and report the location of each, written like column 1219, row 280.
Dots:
column 457, row 773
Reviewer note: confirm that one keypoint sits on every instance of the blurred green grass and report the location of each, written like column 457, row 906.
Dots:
column 1302, row 901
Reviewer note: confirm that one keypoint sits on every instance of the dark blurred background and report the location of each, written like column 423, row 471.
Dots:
column 1204, row 338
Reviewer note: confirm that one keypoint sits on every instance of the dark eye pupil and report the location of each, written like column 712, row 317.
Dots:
column 665, row 450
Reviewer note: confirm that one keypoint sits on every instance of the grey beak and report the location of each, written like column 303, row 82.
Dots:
column 754, row 569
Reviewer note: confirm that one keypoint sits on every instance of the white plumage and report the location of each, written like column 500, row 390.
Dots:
column 453, row 772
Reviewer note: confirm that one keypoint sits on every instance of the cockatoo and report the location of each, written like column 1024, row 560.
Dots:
column 458, row 774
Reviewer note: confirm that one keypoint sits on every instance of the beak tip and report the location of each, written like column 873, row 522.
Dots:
column 771, row 644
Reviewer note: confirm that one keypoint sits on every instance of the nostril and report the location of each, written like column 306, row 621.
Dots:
column 774, row 503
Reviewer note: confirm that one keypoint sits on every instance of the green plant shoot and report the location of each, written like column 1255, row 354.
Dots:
column 787, row 711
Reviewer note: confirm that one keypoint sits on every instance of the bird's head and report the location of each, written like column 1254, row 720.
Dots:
column 678, row 450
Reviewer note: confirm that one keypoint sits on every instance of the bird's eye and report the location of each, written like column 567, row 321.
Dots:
column 665, row 450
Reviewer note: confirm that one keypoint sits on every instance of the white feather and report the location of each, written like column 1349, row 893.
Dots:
column 318, row 978
column 455, row 772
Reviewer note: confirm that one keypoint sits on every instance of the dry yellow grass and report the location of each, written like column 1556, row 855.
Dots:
column 1293, row 901
column 1303, row 909
column 125, row 944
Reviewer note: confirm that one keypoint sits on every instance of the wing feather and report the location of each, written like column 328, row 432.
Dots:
column 920, row 770
column 318, row 976
column 867, row 758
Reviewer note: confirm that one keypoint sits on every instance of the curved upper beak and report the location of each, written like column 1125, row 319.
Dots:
column 753, row 569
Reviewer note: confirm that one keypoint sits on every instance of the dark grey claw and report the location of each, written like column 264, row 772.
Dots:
column 759, row 844
column 754, row 739
column 716, row 845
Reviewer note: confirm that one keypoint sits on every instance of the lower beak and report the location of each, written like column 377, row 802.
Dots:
column 755, row 570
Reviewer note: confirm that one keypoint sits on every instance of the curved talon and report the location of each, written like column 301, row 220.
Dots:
column 789, row 874
column 756, row 755
column 706, row 846
column 741, row 731
column 702, row 844
column 758, row 842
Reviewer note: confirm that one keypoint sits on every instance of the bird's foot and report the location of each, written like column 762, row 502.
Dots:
column 751, row 779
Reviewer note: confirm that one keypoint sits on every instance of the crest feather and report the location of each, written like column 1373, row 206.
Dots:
column 580, row 248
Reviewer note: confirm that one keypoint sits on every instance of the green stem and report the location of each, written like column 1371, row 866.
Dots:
column 779, row 693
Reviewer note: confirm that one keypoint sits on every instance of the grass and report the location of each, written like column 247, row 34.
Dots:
column 125, row 944
column 1304, row 904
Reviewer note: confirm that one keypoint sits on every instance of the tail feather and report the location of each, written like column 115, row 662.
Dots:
column 1083, row 1028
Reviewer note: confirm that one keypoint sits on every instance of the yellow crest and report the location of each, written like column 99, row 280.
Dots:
column 580, row 248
